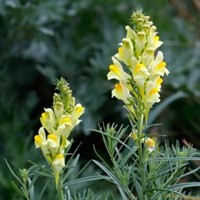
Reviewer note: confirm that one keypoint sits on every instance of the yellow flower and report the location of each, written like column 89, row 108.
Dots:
column 117, row 72
column 65, row 120
column 53, row 142
column 40, row 139
column 156, row 42
column 65, row 125
column 140, row 42
column 130, row 33
column 152, row 93
column 41, row 142
column 133, row 135
column 121, row 92
column 158, row 82
column 140, row 74
column 58, row 109
column 59, row 162
column 58, row 165
column 77, row 112
column 48, row 120
column 158, row 66
column 125, row 52
column 150, row 144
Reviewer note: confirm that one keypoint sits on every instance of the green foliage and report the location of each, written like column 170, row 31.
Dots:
column 164, row 168
column 41, row 40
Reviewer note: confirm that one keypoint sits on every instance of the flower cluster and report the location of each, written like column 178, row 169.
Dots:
column 137, row 67
column 57, row 124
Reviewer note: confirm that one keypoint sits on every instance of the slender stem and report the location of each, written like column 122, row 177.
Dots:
column 60, row 189
column 141, row 154
column 25, row 189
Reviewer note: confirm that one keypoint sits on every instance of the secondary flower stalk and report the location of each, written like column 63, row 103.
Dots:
column 57, row 125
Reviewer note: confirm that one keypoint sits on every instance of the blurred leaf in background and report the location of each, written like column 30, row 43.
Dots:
column 41, row 40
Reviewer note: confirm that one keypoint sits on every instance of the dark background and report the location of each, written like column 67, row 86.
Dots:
column 42, row 40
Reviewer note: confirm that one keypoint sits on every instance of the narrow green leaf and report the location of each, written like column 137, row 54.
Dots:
column 155, row 197
column 9, row 167
column 85, row 179
column 185, row 185
column 190, row 172
column 31, row 189
column 17, row 189
column 114, row 138
column 138, row 189
column 43, row 189
column 113, row 179
column 175, row 159
column 124, row 159
column 71, row 167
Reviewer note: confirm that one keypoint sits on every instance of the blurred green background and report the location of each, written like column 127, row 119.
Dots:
column 42, row 40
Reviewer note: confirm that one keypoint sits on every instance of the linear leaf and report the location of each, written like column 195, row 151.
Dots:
column 185, row 185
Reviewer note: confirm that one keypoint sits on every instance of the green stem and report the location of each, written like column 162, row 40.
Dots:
column 141, row 154
column 60, row 189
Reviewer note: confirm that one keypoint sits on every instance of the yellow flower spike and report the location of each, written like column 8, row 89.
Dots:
column 58, row 123
column 150, row 144
column 144, row 66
